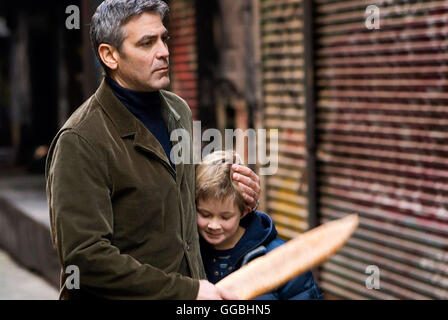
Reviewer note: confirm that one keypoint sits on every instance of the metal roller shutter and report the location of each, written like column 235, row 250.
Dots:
column 283, row 98
column 382, row 115
column 183, row 53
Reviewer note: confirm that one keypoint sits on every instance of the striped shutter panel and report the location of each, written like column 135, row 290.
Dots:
column 183, row 52
column 282, row 63
column 382, row 119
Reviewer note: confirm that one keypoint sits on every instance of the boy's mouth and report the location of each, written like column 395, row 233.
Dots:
column 212, row 235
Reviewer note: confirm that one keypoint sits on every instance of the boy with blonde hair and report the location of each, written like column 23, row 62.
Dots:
column 231, row 235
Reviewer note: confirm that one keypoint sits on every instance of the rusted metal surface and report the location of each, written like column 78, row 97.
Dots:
column 284, row 109
column 382, row 115
column 381, row 109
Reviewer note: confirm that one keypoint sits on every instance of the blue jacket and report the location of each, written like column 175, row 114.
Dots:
column 259, row 238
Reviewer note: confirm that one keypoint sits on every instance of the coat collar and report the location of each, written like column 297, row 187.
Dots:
column 129, row 126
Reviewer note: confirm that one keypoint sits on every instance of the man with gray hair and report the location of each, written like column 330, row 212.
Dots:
column 121, row 211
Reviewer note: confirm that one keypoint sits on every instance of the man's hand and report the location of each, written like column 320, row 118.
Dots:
column 207, row 291
column 249, row 183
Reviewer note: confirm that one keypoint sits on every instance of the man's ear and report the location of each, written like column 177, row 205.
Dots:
column 109, row 55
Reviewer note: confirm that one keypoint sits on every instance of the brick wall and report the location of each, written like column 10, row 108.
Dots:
column 183, row 52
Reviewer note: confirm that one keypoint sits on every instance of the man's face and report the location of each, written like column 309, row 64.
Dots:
column 218, row 222
column 143, row 63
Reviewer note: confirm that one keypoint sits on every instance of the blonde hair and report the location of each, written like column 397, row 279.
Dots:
column 214, row 178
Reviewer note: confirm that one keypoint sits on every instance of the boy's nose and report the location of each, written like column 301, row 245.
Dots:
column 213, row 225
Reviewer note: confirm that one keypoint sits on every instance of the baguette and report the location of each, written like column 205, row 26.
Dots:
column 277, row 267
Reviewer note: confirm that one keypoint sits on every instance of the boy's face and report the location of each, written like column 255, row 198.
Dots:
column 218, row 222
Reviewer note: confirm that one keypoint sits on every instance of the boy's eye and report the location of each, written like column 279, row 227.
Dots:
column 204, row 215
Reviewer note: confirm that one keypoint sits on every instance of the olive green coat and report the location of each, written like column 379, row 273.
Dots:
column 119, row 212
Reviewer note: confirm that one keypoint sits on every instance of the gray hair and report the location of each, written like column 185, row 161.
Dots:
column 110, row 17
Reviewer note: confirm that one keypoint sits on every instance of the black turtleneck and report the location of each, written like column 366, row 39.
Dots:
column 145, row 106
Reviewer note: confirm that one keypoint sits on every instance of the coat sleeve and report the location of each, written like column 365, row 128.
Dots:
column 78, row 192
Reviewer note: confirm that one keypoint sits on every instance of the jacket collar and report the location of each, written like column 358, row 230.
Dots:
column 129, row 126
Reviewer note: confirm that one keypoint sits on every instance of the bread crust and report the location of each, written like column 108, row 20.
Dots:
column 298, row 255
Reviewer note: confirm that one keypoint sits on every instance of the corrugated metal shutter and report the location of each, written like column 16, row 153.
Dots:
column 282, row 62
column 183, row 52
column 382, row 107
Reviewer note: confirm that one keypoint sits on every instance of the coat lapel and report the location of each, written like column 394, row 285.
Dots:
column 172, row 121
column 129, row 126
column 146, row 141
